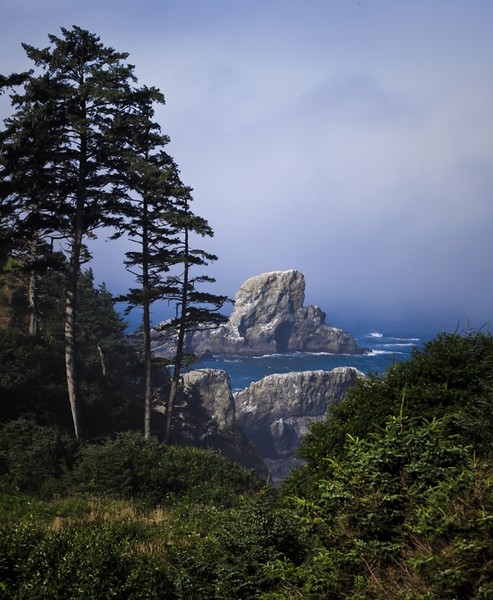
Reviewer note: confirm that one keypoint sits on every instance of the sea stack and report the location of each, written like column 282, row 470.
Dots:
column 269, row 317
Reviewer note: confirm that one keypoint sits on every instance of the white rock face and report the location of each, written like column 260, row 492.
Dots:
column 276, row 411
column 273, row 414
column 269, row 317
column 211, row 389
column 214, row 387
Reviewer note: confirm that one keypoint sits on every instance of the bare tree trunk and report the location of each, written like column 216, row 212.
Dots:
column 170, row 404
column 102, row 361
column 146, row 305
column 72, row 292
column 147, row 368
column 32, row 288
column 70, row 345
column 33, row 309
column 182, row 327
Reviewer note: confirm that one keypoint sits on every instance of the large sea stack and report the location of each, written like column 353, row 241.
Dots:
column 269, row 318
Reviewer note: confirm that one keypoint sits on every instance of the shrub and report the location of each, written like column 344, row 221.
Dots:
column 33, row 459
column 132, row 466
column 405, row 513
column 451, row 376
column 98, row 560
column 226, row 550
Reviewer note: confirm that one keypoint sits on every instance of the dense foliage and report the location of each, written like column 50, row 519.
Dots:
column 451, row 376
column 402, row 508
column 32, row 375
column 81, row 154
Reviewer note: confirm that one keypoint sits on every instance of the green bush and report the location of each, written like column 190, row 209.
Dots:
column 226, row 550
column 32, row 379
column 34, row 459
column 86, row 561
column 405, row 513
column 132, row 466
column 451, row 376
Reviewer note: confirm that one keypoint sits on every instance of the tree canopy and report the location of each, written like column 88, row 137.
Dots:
column 81, row 151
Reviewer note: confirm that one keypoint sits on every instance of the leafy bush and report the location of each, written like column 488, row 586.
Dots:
column 32, row 379
column 98, row 560
column 451, row 376
column 405, row 513
column 34, row 459
column 226, row 550
column 133, row 466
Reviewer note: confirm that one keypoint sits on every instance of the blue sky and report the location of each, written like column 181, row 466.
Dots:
column 352, row 140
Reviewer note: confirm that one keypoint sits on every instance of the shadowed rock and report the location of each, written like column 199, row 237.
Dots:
column 276, row 411
column 269, row 417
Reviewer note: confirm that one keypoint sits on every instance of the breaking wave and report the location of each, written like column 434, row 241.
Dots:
column 382, row 351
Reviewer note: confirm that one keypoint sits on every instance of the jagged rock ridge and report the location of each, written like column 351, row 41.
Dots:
column 205, row 417
column 276, row 411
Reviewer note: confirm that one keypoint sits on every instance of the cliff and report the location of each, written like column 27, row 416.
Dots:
column 276, row 411
column 262, row 425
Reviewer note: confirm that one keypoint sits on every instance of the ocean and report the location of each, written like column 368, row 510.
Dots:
column 385, row 348
column 386, row 345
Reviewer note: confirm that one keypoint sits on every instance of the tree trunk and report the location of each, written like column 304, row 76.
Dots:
column 182, row 328
column 102, row 361
column 146, row 305
column 32, row 288
column 147, row 368
column 172, row 395
column 32, row 299
column 70, row 340
column 71, row 295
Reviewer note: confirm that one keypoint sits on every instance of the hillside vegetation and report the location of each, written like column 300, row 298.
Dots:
column 395, row 501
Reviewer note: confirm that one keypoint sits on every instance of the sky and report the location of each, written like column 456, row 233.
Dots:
column 351, row 140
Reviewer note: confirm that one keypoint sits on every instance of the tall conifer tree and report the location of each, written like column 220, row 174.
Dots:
column 154, row 185
column 82, row 151
column 28, row 183
column 159, row 220
column 82, row 86
column 195, row 309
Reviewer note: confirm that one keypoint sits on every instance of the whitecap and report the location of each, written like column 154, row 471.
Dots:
column 378, row 352
column 396, row 344
column 375, row 334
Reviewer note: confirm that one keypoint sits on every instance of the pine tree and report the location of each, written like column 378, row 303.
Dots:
column 159, row 220
column 28, row 183
column 154, row 184
column 195, row 309
column 79, row 88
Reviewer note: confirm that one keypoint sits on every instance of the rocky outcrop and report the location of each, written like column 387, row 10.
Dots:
column 276, row 411
column 209, row 390
column 263, row 424
column 214, row 388
column 268, row 318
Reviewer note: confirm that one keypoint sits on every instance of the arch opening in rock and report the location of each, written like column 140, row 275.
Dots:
column 282, row 336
